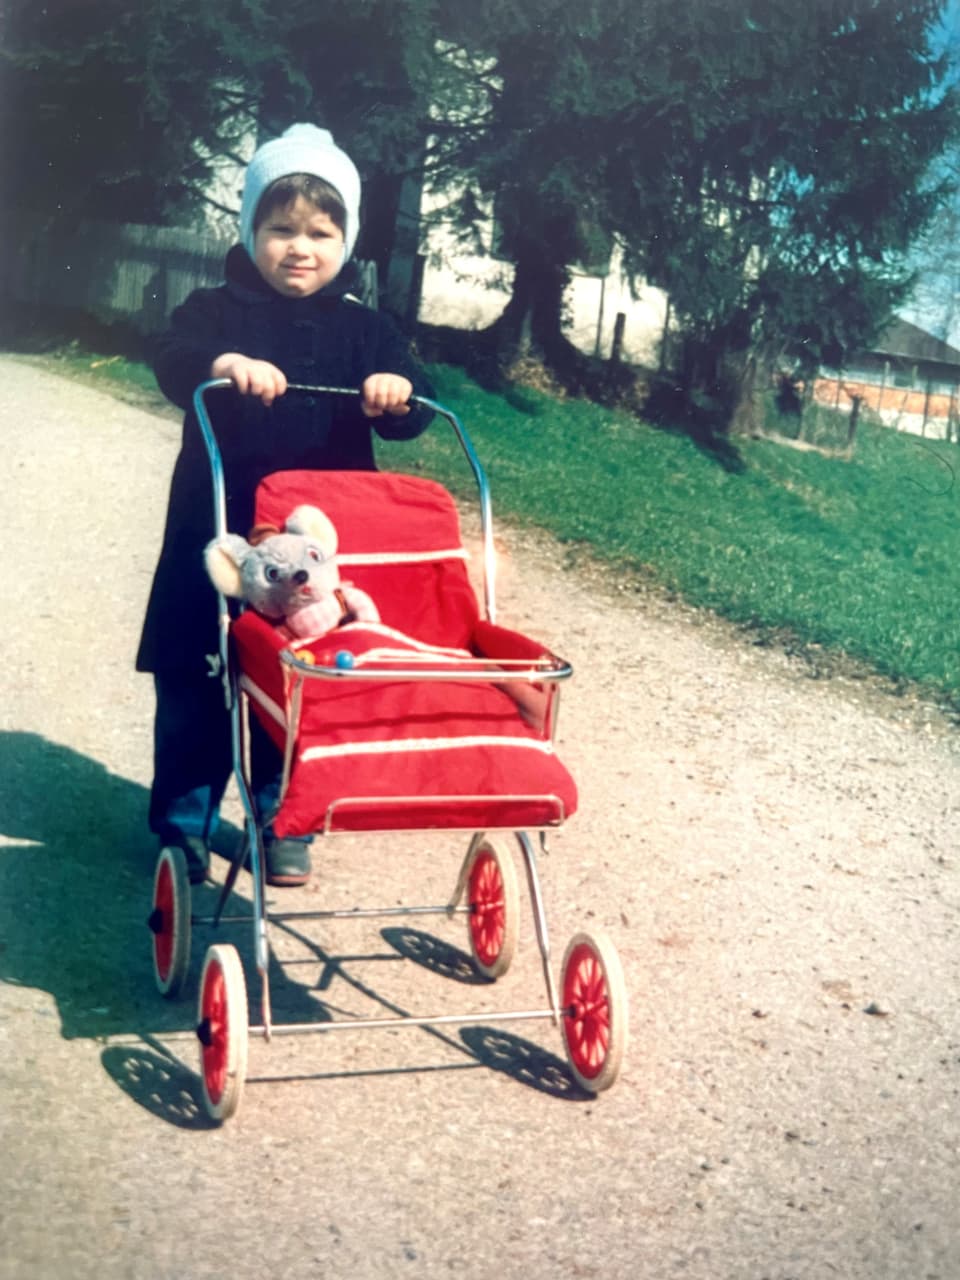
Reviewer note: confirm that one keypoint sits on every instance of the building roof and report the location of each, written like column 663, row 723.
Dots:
column 905, row 341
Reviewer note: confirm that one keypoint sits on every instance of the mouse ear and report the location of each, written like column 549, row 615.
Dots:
column 223, row 558
column 311, row 522
column 261, row 531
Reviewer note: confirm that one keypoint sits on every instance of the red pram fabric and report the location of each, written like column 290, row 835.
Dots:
column 399, row 541
column 401, row 753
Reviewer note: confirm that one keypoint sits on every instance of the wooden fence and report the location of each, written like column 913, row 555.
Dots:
column 133, row 274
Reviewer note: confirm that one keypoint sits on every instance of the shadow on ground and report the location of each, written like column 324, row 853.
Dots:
column 75, row 872
column 76, row 867
column 159, row 1082
column 522, row 1060
column 434, row 954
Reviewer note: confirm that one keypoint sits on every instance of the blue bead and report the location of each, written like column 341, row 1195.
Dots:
column 344, row 659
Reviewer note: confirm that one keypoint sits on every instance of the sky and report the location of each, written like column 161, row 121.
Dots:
column 936, row 302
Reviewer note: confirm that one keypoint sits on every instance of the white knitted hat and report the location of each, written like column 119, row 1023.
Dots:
column 302, row 149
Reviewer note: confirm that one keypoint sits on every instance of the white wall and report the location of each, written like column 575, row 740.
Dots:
column 470, row 290
column 593, row 307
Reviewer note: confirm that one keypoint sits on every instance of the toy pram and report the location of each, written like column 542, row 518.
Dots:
column 436, row 718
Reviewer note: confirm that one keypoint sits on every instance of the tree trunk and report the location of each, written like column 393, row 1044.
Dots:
column 746, row 417
column 531, row 323
column 751, row 379
column 378, row 230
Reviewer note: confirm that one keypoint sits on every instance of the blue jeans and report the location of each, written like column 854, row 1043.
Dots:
column 193, row 760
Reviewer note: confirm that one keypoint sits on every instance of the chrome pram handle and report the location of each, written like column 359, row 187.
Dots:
column 220, row 494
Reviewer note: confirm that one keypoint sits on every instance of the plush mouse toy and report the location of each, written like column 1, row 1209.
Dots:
column 290, row 576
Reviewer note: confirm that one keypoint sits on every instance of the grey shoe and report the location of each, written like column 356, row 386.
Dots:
column 288, row 861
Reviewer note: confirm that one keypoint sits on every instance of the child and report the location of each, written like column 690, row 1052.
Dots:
column 284, row 314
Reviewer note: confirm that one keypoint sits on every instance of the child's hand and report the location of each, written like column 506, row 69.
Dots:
column 250, row 377
column 386, row 393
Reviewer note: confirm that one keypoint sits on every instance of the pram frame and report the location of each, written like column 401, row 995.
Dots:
column 547, row 672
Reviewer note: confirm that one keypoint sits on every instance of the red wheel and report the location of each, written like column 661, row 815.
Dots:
column 222, row 1031
column 170, row 921
column 594, row 1009
column 494, row 903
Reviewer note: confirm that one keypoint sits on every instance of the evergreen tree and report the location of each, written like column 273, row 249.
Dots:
column 122, row 112
column 527, row 134
column 801, row 140
column 118, row 111
column 763, row 162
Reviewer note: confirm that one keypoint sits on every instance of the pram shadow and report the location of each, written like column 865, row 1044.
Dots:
column 159, row 1082
column 522, row 1060
column 490, row 1047
column 434, row 954
column 75, row 875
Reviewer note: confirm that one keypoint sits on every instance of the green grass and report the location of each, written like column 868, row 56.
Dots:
column 125, row 377
column 859, row 557
column 856, row 556
column 81, row 347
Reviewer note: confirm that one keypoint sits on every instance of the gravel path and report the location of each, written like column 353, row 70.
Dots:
column 774, row 857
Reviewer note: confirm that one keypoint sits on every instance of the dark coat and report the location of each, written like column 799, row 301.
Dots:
column 327, row 339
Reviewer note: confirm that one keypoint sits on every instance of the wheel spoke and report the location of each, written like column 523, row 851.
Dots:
column 487, row 908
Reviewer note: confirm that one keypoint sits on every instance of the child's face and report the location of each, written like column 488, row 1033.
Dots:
column 298, row 249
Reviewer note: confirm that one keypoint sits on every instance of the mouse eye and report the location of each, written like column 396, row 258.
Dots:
column 314, row 554
column 272, row 573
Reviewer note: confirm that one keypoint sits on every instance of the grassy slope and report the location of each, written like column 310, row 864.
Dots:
column 859, row 556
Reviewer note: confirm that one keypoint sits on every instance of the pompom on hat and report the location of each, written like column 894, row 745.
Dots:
column 302, row 149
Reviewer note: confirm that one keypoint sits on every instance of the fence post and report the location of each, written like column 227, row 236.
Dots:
column 416, row 290
column 616, row 350
column 854, row 415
